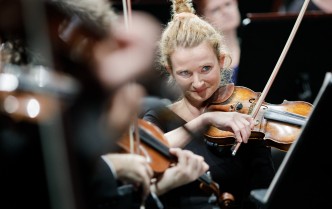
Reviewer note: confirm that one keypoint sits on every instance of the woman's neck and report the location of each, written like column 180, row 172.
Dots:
column 187, row 110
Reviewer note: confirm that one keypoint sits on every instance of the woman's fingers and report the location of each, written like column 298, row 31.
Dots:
column 240, row 124
column 132, row 168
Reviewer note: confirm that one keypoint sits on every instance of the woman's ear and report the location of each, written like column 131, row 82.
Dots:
column 222, row 61
column 169, row 69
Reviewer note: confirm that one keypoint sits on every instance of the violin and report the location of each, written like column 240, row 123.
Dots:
column 154, row 147
column 277, row 124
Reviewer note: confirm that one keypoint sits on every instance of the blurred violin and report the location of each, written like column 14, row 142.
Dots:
column 33, row 92
column 154, row 147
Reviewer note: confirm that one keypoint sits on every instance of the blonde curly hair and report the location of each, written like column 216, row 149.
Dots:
column 186, row 29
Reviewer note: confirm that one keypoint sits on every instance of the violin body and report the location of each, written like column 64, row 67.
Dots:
column 278, row 125
column 151, row 144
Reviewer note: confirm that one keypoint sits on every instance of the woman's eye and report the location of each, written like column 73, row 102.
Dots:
column 215, row 10
column 206, row 68
column 184, row 73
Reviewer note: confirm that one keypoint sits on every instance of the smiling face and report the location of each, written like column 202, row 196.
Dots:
column 197, row 71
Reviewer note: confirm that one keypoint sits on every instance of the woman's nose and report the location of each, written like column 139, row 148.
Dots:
column 197, row 81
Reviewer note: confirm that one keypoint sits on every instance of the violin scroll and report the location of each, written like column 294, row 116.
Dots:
column 223, row 199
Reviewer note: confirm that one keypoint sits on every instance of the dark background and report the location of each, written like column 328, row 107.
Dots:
column 306, row 62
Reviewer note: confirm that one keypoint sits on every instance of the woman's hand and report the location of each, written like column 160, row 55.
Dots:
column 132, row 168
column 238, row 123
column 188, row 168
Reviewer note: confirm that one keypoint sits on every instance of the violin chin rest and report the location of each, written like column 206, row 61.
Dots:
column 223, row 93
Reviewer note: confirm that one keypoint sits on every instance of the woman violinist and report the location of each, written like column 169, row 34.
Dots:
column 194, row 55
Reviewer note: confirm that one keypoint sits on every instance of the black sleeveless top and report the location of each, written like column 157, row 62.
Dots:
column 251, row 168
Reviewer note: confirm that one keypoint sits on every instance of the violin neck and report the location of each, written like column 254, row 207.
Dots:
column 205, row 178
column 155, row 144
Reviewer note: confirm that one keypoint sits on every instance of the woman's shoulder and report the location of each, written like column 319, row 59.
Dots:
column 164, row 118
column 151, row 103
